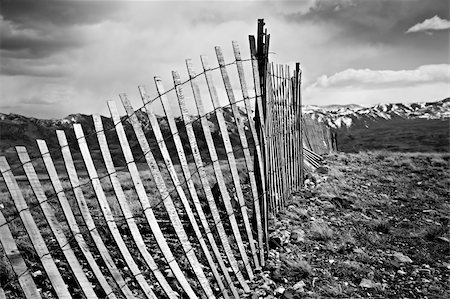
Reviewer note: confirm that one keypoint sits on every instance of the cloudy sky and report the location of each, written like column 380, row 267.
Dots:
column 64, row 57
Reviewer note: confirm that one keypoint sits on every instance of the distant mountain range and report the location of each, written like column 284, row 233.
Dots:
column 21, row 130
column 400, row 127
column 346, row 116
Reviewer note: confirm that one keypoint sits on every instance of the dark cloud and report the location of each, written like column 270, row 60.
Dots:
column 38, row 29
column 28, row 14
column 378, row 21
column 36, row 45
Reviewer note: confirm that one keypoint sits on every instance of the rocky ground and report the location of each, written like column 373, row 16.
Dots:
column 369, row 225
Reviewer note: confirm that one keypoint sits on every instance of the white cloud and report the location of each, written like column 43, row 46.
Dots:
column 375, row 78
column 434, row 23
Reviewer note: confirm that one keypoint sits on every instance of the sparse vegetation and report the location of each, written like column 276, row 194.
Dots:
column 377, row 226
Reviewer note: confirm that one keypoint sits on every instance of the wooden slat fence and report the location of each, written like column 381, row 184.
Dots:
column 187, row 215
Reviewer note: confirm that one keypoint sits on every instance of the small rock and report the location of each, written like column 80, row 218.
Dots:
column 401, row 258
column 37, row 273
column 298, row 236
column 367, row 283
column 169, row 273
column 401, row 272
column 299, row 286
column 358, row 250
column 280, row 290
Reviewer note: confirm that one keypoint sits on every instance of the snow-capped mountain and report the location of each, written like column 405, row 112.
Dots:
column 337, row 116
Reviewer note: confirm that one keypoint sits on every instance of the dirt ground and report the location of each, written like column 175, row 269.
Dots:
column 370, row 225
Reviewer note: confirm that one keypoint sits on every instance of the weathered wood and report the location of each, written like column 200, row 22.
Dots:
column 55, row 226
column 190, row 183
column 33, row 232
column 18, row 265
column 243, row 145
column 167, row 199
column 298, row 97
column 258, row 154
column 70, row 218
column 261, row 133
column 216, row 166
column 87, row 217
column 145, row 203
column 126, row 210
column 205, row 182
column 108, row 215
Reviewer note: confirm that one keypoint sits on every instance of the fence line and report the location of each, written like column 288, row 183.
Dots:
column 222, row 228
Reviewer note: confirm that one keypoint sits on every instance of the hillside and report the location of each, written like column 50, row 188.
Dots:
column 21, row 130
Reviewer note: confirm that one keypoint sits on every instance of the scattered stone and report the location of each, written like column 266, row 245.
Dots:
column 367, row 283
column 37, row 273
column 169, row 273
column 401, row 272
column 401, row 258
column 280, row 290
column 299, row 286
column 358, row 250
column 298, row 236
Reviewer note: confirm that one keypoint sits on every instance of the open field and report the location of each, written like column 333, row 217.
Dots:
column 375, row 226
column 401, row 135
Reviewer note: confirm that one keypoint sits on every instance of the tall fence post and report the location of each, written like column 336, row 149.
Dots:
column 298, row 95
column 262, row 50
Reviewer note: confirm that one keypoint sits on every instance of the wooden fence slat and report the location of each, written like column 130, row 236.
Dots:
column 190, row 183
column 87, row 217
column 54, row 224
column 298, row 97
column 70, row 218
column 205, row 183
column 167, row 199
column 258, row 154
column 126, row 210
column 33, row 232
column 274, row 136
column 108, row 215
column 143, row 198
column 231, row 163
column 262, row 135
column 217, row 168
column 247, row 157
column 21, row 270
